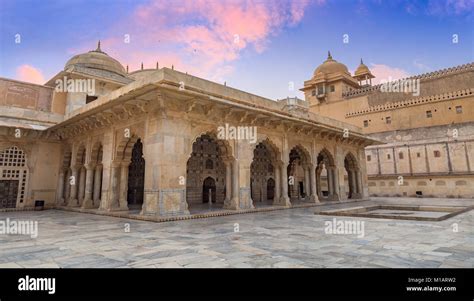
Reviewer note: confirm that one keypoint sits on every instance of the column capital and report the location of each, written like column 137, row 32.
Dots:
column 115, row 164
column 89, row 166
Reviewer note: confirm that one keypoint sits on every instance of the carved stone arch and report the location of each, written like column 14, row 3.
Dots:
column 326, row 157
column 225, row 148
column 126, row 141
column 350, row 161
column 96, row 152
column 266, row 161
column 80, row 154
column 272, row 148
column 352, row 169
column 123, row 151
column 303, row 153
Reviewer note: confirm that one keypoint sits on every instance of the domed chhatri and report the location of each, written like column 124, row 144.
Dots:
column 330, row 66
column 363, row 74
column 96, row 59
column 362, row 69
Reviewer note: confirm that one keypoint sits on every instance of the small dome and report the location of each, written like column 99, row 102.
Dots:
column 96, row 59
column 362, row 69
column 330, row 66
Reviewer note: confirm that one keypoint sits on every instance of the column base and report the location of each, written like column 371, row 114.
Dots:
column 356, row 196
column 232, row 204
column 96, row 204
column 283, row 201
column 115, row 209
column 87, row 204
column 61, row 202
column 73, row 203
column 334, row 198
column 165, row 202
column 312, row 199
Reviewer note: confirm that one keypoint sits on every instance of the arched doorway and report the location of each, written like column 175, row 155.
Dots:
column 136, row 177
column 209, row 190
column 326, row 176
column 351, row 167
column 270, row 189
column 261, row 169
column 298, row 174
column 206, row 173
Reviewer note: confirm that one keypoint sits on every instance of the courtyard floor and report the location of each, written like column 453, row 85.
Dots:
column 282, row 238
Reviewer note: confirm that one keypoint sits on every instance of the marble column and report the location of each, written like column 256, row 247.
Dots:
column 284, row 199
column 350, row 180
column 87, row 202
column 228, row 183
column 313, row 197
column 74, row 187
column 123, row 186
column 113, row 201
column 307, row 191
column 276, row 196
column 97, row 186
column 60, row 191
column 67, row 186
column 82, row 185
column 335, row 183
column 234, row 202
column 329, row 179
column 318, row 183
column 358, row 182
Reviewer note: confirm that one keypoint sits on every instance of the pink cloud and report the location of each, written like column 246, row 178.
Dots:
column 387, row 73
column 30, row 74
column 203, row 37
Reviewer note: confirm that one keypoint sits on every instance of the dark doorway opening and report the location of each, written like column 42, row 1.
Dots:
column 301, row 188
column 209, row 190
column 270, row 189
column 136, row 177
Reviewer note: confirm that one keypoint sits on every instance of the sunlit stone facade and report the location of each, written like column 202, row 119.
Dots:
column 150, row 141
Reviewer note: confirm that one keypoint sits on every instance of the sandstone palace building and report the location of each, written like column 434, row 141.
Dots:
column 98, row 137
column 427, row 130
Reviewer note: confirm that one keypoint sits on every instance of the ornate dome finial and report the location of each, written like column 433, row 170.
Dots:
column 127, row 68
column 157, row 65
column 142, row 65
column 98, row 47
column 329, row 55
column 361, row 62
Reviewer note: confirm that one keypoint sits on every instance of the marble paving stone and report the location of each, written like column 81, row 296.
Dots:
column 275, row 239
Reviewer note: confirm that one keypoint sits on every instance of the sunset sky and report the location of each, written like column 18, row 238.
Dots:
column 255, row 46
